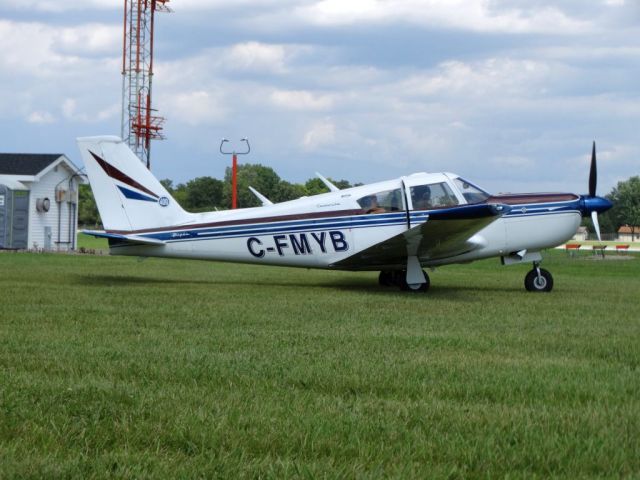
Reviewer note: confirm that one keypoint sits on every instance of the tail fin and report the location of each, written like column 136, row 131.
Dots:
column 128, row 196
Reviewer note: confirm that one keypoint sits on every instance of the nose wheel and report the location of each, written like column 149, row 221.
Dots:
column 538, row 280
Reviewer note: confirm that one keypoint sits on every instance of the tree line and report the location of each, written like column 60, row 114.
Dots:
column 204, row 194
column 625, row 197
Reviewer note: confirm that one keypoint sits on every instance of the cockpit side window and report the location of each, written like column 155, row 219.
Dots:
column 470, row 192
column 382, row 202
column 434, row 195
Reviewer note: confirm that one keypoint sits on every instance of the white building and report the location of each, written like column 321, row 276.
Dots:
column 582, row 234
column 38, row 201
column 628, row 233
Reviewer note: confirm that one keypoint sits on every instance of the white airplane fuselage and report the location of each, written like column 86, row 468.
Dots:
column 320, row 231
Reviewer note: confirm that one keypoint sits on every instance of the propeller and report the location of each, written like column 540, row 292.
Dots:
column 593, row 181
column 596, row 225
column 593, row 173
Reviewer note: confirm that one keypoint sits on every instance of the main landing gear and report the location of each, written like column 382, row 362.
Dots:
column 398, row 278
column 538, row 279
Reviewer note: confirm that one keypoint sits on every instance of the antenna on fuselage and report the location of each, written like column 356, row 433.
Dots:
column 262, row 198
column 327, row 183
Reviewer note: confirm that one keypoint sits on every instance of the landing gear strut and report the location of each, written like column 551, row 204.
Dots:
column 538, row 279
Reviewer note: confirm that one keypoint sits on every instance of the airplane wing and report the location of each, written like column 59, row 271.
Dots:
column 132, row 239
column 446, row 233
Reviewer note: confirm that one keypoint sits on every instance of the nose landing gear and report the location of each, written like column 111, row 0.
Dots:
column 538, row 279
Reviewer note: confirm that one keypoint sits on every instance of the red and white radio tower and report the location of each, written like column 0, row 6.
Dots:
column 139, row 124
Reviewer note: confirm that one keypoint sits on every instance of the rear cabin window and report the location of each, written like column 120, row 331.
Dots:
column 382, row 202
column 434, row 195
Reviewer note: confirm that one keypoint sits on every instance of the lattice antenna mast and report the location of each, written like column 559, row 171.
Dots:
column 140, row 125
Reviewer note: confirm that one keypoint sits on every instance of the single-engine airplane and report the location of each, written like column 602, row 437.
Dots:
column 397, row 227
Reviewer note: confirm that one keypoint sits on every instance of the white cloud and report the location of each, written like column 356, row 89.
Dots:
column 493, row 76
column 89, row 113
column 319, row 135
column 40, row 49
column 513, row 161
column 40, row 117
column 211, row 65
column 222, row 4
column 194, row 107
column 69, row 108
column 301, row 100
column 475, row 15
column 255, row 56
column 63, row 6
column 90, row 38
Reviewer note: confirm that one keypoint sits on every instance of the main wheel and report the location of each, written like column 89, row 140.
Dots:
column 385, row 279
column 538, row 283
column 414, row 287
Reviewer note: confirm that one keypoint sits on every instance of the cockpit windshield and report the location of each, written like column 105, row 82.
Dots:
column 471, row 193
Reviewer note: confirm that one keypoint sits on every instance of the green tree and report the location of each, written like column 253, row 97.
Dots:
column 314, row 186
column 264, row 179
column 203, row 194
column 167, row 184
column 178, row 192
column 288, row 191
column 626, row 204
column 88, row 214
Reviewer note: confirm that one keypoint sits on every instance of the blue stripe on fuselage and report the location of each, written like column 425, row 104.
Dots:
column 352, row 222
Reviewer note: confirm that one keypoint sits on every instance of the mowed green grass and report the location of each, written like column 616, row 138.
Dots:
column 113, row 367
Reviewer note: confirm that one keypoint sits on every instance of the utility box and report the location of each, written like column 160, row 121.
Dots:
column 14, row 218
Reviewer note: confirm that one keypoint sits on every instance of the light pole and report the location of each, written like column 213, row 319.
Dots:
column 234, row 169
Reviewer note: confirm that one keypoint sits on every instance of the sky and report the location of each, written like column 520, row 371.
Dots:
column 509, row 94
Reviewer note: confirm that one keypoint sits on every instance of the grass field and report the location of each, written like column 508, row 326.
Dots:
column 92, row 243
column 112, row 367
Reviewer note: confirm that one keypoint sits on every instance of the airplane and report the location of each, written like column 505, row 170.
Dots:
column 397, row 227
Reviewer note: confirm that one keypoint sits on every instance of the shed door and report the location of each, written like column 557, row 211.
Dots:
column 20, row 233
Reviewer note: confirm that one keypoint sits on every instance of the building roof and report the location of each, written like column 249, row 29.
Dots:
column 627, row 229
column 11, row 183
column 26, row 163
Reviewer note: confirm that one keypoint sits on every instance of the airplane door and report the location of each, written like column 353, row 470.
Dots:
column 407, row 197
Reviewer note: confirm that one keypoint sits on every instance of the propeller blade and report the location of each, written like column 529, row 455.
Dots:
column 593, row 173
column 596, row 225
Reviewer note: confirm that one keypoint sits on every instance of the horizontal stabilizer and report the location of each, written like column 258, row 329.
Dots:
column 134, row 239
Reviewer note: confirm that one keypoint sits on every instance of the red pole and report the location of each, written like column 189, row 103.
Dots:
column 234, row 182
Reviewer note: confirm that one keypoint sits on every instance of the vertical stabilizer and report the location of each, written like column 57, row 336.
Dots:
column 128, row 196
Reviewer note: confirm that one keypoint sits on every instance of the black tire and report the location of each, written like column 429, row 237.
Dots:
column 533, row 283
column 385, row 279
column 416, row 288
